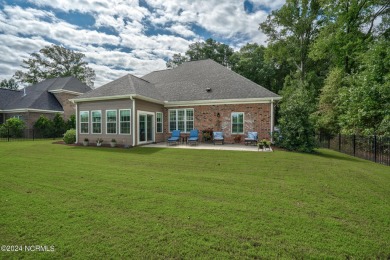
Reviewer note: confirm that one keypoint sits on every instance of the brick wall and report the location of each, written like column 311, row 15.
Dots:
column 257, row 118
column 68, row 107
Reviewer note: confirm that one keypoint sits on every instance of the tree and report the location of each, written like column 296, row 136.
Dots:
column 291, row 30
column 365, row 103
column 55, row 61
column 349, row 27
column 327, row 115
column 9, row 84
column 296, row 128
column 250, row 62
column 209, row 49
column 176, row 60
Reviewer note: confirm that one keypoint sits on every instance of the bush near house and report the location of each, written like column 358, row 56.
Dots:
column 70, row 136
column 13, row 127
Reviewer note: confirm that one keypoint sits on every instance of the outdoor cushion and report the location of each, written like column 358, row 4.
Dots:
column 218, row 135
column 251, row 136
column 193, row 138
column 175, row 136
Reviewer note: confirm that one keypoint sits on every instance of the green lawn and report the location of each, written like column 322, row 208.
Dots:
column 97, row 203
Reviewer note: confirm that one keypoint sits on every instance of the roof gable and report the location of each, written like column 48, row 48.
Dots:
column 124, row 86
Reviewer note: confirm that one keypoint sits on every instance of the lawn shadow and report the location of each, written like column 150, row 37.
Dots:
column 337, row 156
column 106, row 149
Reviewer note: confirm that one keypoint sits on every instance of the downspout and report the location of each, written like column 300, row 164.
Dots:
column 272, row 119
column 77, row 130
column 133, row 117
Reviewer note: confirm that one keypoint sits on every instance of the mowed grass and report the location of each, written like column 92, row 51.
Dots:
column 99, row 203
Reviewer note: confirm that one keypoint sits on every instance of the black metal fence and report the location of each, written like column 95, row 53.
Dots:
column 9, row 135
column 374, row 148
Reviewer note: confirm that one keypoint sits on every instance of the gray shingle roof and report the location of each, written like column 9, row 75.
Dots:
column 190, row 80
column 69, row 83
column 126, row 85
column 7, row 96
column 38, row 95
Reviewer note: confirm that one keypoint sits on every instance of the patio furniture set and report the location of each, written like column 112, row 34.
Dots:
column 193, row 139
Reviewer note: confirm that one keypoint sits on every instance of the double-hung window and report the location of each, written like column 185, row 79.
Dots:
column 96, row 121
column 84, row 122
column 181, row 119
column 111, row 119
column 159, row 122
column 237, row 123
column 124, row 121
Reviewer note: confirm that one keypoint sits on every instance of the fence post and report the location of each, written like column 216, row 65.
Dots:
column 354, row 145
column 375, row 148
column 339, row 141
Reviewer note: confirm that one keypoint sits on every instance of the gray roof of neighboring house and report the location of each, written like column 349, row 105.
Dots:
column 126, row 85
column 7, row 96
column 189, row 81
column 38, row 96
column 69, row 83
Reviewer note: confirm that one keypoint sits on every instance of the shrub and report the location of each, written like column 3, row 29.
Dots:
column 13, row 127
column 70, row 136
column 44, row 126
column 71, row 123
column 59, row 125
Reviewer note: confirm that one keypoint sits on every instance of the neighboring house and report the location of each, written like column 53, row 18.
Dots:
column 46, row 98
column 196, row 95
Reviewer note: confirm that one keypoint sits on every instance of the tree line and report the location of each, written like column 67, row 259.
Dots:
column 330, row 60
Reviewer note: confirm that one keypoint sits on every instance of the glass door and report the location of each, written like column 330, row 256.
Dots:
column 146, row 127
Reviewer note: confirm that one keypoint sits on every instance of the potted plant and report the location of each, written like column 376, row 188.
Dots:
column 113, row 142
column 86, row 142
column 99, row 142
column 264, row 144
column 237, row 138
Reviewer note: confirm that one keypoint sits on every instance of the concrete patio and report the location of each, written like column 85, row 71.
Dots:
column 210, row 146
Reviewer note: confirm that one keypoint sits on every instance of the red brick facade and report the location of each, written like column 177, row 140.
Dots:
column 257, row 118
column 68, row 107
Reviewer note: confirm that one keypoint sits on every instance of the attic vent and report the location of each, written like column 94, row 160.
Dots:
column 208, row 89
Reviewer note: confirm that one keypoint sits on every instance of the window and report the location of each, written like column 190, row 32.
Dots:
column 84, row 122
column 159, row 122
column 124, row 123
column 111, row 121
column 96, row 121
column 237, row 123
column 181, row 119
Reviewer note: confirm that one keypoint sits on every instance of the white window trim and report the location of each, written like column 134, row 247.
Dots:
column 162, row 122
column 84, row 122
column 243, row 122
column 101, row 122
column 177, row 121
column 120, row 121
column 116, row 122
column 140, row 112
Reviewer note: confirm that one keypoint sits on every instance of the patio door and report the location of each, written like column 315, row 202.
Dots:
column 145, row 127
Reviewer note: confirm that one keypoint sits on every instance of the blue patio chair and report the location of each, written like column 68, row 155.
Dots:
column 175, row 137
column 193, row 138
column 251, row 138
column 218, row 137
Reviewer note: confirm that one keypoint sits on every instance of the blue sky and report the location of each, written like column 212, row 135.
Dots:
column 125, row 36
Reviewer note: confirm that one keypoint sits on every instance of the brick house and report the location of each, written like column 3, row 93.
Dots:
column 195, row 95
column 46, row 98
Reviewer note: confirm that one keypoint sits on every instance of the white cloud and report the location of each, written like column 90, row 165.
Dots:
column 140, row 40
